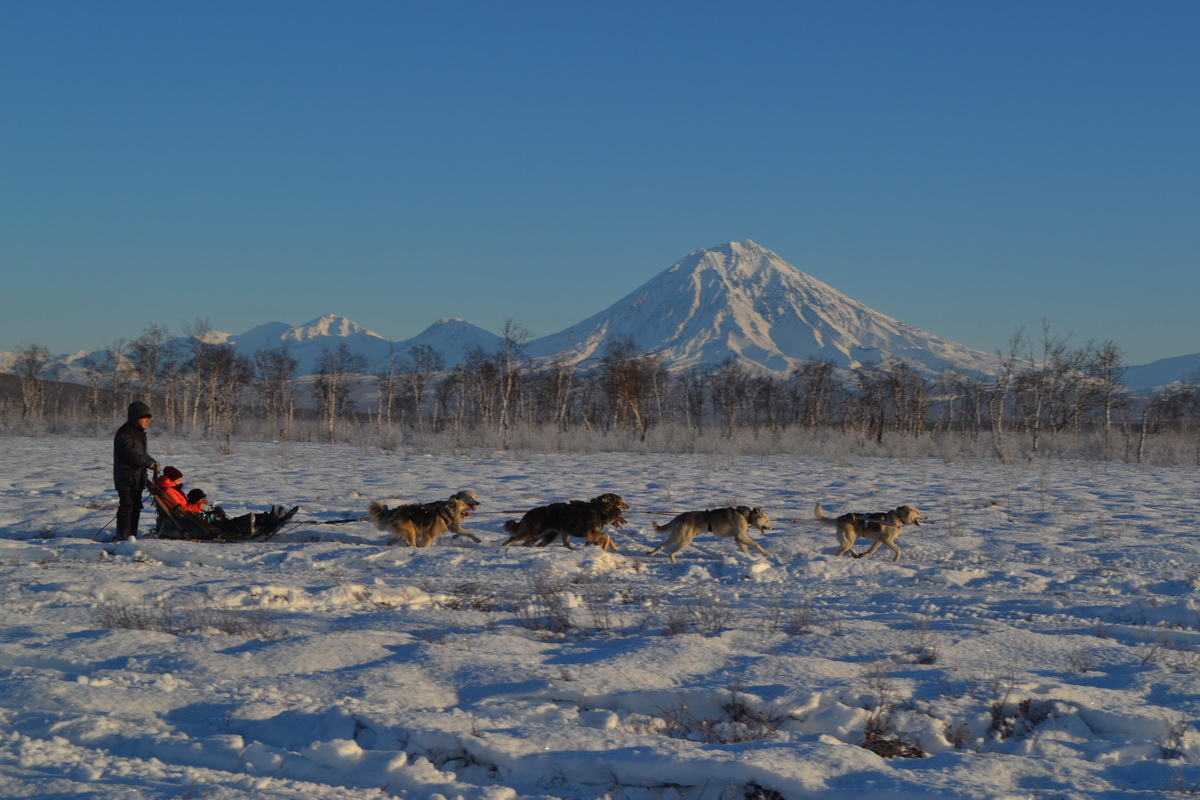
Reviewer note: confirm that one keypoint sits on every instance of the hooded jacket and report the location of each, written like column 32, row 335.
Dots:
column 173, row 499
column 130, row 460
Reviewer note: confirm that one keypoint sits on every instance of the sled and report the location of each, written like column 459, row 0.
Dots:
column 177, row 524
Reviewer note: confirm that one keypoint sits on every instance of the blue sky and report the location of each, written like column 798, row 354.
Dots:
column 970, row 168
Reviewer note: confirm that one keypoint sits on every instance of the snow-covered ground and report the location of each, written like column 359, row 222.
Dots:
column 1040, row 637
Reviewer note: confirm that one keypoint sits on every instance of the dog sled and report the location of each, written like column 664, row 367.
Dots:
column 174, row 523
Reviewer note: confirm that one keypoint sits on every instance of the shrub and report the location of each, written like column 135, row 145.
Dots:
column 183, row 620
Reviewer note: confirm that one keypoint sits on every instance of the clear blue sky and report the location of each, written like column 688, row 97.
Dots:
column 969, row 168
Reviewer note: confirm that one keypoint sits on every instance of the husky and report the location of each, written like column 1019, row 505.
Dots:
column 880, row 528
column 579, row 518
column 730, row 523
column 417, row 525
column 471, row 501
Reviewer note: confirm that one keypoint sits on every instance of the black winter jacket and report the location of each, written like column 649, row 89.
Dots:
column 130, row 460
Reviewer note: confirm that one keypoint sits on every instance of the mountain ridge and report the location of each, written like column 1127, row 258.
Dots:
column 736, row 300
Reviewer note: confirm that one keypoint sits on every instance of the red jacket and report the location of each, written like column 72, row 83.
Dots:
column 173, row 498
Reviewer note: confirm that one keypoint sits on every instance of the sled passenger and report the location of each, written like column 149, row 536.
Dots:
column 170, row 483
column 130, row 462
column 170, row 487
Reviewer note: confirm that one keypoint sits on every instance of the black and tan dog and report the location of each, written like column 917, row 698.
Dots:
column 880, row 528
column 731, row 523
column 417, row 524
column 579, row 518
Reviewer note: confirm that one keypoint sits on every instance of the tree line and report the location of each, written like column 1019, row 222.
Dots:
column 1045, row 390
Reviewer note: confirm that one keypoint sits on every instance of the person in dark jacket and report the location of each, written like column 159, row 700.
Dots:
column 130, row 462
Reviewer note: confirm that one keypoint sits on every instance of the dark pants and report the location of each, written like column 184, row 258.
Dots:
column 129, row 511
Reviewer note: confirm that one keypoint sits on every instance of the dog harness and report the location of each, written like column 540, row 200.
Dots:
column 878, row 519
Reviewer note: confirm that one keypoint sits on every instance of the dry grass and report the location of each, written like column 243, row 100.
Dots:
column 184, row 620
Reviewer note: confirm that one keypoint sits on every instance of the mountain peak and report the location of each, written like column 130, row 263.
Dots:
column 734, row 260
column 740, row 300
column 327, row 325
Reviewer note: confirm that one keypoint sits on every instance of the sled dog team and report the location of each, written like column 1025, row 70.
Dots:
column 419, row 524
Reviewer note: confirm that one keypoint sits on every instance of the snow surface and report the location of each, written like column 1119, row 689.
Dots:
column 1039, row 639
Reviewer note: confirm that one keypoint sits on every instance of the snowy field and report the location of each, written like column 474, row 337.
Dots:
column 1039, row 639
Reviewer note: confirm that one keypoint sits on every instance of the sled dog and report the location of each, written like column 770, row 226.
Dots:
column 880, row 528
column 584, row 519
column 471, row 501
column 417, row 525
column 730, row 523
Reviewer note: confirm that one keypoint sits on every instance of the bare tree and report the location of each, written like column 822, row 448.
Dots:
column 220, row 375
column 404, row 382
column 907, row 394
column 998, row 397
column 30, row 366
column 154, row 359
column 630, row 381
column 814, row 387
column 336, row 376
column 387, row 380
column 870, row 407
column 478, row 396
column 106, row 370
column 449, row 400
column 512, row 348
column 415, row 373
column 729, row 386
column 693, row 390
column 1105, row 367
column 1174, row 409
column 552, row 391
column 277, row 368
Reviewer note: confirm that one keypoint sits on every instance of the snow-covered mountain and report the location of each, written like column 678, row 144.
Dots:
column 743, row 301
column 1162, row 372
column 453, row 338
column 306, row 343
column 736, row 300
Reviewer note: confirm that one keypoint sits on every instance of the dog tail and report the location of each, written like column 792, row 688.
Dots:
column 820, row 515
column 375, row 513
column 511, row 526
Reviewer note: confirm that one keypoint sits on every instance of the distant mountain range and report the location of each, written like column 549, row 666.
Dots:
column 453, row 338
column 736, row 300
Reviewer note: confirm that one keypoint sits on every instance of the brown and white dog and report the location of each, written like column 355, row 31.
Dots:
column 417, row 524
column 731, row 523
column 579, row 518
column 880, row 528
column 471, row 501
